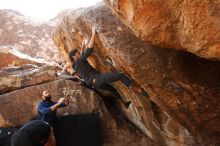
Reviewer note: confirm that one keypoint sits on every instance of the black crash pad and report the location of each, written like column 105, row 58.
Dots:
column 5, row 136
column 78, row 130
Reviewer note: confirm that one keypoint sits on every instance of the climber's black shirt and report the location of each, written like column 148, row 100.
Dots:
column 83, row 68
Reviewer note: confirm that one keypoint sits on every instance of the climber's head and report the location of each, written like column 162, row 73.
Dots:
column 46, row 96
column 73, row 53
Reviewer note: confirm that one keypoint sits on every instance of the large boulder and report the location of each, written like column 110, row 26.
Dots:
column 183, row 103
column 192, row 26
column 17, row 77
column 28, row 35
column 10, row 56
column 19, row 106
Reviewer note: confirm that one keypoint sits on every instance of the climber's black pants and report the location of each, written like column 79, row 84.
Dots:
column 105, row 87
column 102, row 79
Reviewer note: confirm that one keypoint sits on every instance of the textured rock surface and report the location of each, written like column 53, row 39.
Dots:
column 82, row 100
column 12, row 78
column 12, row 57
column 184, row 88
column 192, row 26
column 29, row 36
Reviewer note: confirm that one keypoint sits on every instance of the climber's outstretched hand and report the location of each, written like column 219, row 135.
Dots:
column 94, row 30
column 92, row 40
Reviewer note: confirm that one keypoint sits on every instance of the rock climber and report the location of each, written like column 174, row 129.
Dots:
column 91, row 76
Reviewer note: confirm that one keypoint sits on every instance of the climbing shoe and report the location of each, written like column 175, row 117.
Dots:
column 127, row 104
column 144, row 93
column 126, row 81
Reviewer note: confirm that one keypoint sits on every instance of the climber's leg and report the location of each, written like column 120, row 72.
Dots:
column 104, row 78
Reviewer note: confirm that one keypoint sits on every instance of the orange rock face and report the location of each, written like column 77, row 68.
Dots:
column 182, row 107
column 192, row 26
column 29, row 36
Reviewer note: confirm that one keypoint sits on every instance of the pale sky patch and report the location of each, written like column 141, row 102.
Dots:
column 44, row 9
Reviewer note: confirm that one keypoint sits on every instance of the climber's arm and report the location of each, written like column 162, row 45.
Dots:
column 82, row 47
column 92, row 40
column 85, row 54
